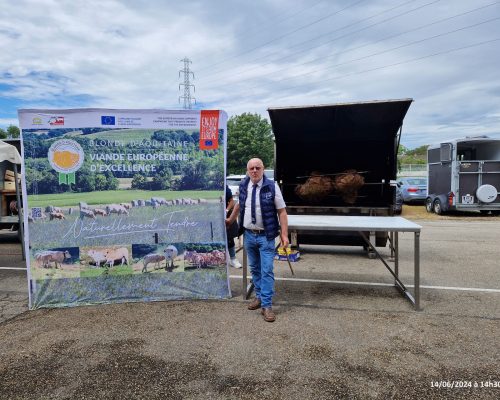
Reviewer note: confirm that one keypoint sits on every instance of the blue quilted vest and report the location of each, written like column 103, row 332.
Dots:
column 269, row 216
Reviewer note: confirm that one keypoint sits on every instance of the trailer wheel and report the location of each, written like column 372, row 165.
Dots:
column 438, row 208
column 428, row 205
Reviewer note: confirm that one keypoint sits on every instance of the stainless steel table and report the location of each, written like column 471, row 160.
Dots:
column 361, row 224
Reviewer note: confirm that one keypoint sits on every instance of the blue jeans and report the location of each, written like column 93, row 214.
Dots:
column 260, row 252
column 232, row 251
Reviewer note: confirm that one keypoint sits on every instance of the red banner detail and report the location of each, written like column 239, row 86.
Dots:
column 209, row 130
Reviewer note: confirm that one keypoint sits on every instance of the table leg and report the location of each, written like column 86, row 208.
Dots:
column 391, row 242
column 417, row 270
column 397, row 282
column 396, row 253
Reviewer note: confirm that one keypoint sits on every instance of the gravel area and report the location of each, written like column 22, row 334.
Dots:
column 330, row 340
column 219, row 350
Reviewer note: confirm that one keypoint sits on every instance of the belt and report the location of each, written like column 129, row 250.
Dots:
column 256, row 231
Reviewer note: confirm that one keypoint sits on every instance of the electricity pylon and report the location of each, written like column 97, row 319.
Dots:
column 187, row 85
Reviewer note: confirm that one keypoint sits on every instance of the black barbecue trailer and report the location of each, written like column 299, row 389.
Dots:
column 333, row 138
column 464, row 175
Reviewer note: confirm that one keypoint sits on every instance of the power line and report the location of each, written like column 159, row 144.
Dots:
column 393, row 64
column 391, row 49
column 275, row 22
column 278, row 21
column 284, row 35
column 373, row 54
column 411, row 60
column 330, row 32
column 396, row 35
column 382, row 67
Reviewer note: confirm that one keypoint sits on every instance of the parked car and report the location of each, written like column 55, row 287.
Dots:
column 269, row 173
column 413, row 189
column 233, row 181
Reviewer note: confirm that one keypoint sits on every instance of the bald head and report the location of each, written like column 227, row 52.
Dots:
column 255, row 169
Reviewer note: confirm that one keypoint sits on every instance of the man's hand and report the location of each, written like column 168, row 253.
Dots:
column 284, row 241
column 283, row 218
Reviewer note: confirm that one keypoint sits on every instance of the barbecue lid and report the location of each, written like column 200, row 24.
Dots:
column 373, row 120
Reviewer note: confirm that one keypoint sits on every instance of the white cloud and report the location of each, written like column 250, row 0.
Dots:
column 4, row 122
column 248, row 56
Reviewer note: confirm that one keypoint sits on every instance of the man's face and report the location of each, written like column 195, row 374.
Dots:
column 255, row 170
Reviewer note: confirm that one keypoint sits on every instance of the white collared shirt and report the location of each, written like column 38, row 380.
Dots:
column 279, row 203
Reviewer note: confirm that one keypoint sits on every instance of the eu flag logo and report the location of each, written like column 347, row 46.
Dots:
column 107, row 120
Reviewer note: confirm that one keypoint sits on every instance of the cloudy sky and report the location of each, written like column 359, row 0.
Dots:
column 250, row 55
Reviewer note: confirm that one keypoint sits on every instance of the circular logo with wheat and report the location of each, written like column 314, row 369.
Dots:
column 66, row 156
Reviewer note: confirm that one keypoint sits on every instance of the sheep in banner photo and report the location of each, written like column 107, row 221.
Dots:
column 100, row 211
column 56, row 215
column 116, row 209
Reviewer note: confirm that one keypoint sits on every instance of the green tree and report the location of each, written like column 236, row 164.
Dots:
column 411, row 156
column 49, row 183
column 113, row 183
column 13, row 131
column 3, row 134
column 100, row 182
column 162, row 179
column 85, row 181
column 402, row 150
column 138, row 181
column 249, row 135
column 193, row 174
column 419, row 152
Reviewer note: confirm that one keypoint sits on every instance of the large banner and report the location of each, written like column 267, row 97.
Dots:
column 124, row 205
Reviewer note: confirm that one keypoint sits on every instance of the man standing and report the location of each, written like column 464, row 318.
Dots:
column 261, row 210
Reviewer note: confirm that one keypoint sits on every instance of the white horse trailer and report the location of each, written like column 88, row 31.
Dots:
column 464, row 174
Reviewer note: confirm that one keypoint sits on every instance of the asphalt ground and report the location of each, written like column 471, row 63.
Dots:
column 342, row 331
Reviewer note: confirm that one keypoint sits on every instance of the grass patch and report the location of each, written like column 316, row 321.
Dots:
column 114, row 196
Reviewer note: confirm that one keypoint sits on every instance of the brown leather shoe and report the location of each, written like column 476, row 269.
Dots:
column 255, row 304
column 268, row 314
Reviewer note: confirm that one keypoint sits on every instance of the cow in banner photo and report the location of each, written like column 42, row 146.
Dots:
column 152, row 258
column 170, row 253
column 114, row 255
